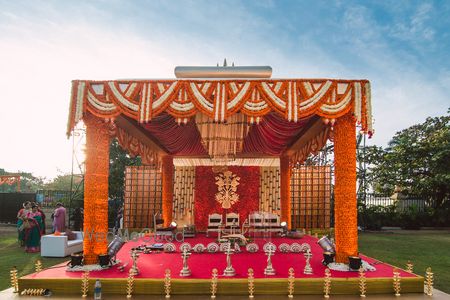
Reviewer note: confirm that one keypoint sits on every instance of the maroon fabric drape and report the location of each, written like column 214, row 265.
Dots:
column 272, row 135
column 183, row 139
column 206, row 189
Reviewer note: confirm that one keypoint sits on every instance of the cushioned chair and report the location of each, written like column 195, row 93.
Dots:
column 256, row 223
column 232, row 223
column 214, row 224
column 272, row 223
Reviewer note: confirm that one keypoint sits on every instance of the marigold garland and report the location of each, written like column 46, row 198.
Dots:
column 96, row 189
column 285, row 190
column 219, row 99
column 167, row 188
column 346, row 233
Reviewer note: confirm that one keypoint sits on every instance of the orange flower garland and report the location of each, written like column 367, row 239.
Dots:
column 285, row 190
column 167, row 188
column 96, row 189
column 219, row 99
column 345, row 209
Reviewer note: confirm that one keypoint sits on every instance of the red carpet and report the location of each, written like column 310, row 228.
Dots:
column 153, row 265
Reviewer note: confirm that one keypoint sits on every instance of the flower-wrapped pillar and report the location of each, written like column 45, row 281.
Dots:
column 285, row 190
column 345, row 206
column 167, row 188
column 96, row 189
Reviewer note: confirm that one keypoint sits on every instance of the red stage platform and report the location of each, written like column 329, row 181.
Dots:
column 152, row 267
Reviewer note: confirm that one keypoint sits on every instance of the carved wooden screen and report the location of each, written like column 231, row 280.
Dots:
column 311, row 197
column 143, row 196
column 269, row 190
column 183, row 195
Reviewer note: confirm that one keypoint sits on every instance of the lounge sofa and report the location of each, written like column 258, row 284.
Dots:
column 60, row 246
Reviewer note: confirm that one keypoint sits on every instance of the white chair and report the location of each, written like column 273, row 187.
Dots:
column 255, row 223
column 232, row 223
column 60, row 246
column 272, row 223
column 214, row 224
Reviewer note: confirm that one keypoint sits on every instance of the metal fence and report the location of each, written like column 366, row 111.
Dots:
column 49, row 198
column 401, row 202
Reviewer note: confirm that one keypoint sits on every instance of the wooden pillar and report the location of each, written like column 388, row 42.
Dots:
column 96, row 189
column 167, row 188
column 285, row 190
column 345, row 206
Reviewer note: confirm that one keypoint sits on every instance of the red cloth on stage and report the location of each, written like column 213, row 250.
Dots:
column 153, row 265
column 206, row 189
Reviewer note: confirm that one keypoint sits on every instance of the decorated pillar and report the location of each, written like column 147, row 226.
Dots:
column 285, row 190
column 345, row 206
column 96, row 189
column 167, row 188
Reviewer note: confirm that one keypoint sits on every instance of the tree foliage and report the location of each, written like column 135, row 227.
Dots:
column 417, row 160
column 64, row 182
column 28, row 182
column 118, row 160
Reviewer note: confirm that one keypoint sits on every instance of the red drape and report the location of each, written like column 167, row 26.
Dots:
column 183, row 139
column 206, row 189
column 272, row 135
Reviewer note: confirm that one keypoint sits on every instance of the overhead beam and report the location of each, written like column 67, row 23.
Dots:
column 141, row 134
column 312, row 129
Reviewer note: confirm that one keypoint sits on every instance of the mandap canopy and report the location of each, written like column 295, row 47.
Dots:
column 196, row 118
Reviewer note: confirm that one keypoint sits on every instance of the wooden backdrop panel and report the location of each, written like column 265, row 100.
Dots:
column 269, row 190
column 311, row 197
column 183, row 195
column 143, row 196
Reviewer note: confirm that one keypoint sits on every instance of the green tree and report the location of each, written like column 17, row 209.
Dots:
column 118, row 160
column 417, row 159
column 28, row 182
column 63, row 182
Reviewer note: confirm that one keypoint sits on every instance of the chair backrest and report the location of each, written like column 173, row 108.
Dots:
column 158, row 221
column 214, row 219
column 232, row 219
column 271, row 219
column 255, row 219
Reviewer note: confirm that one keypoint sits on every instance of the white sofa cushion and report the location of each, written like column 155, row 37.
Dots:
column 60, row 246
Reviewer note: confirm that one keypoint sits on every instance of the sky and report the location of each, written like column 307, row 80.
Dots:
column 402, row 47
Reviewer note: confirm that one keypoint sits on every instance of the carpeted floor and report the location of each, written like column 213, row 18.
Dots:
column 153, row 265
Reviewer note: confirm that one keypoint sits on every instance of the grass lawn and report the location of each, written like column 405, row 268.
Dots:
column 423, row 248
column 13, row 255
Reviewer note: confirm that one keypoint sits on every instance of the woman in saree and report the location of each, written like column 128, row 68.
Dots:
column 32, row 232
column 21, row 216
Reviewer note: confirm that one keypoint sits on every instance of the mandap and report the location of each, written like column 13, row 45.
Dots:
column 192, row 116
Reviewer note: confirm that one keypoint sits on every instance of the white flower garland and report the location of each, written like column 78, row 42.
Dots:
column 345, row 267
column 121, row 98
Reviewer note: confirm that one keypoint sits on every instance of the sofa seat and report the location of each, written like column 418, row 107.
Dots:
column 60, row 246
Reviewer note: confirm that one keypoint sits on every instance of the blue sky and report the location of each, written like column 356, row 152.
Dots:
column 402, row 47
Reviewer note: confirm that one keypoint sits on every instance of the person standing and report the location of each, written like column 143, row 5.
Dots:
column 32, row 232
column 39, row 209
column 22, row 216
column 78, row 219
column 119, row 220
column 59, row 218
